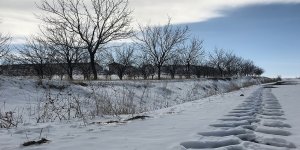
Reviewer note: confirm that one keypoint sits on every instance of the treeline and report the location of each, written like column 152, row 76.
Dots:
column 74, row 33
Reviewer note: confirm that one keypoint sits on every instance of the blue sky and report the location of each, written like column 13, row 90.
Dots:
column 265, row 31
column 268, row 34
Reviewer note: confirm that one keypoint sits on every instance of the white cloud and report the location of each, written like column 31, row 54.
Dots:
column 182, row 11
column 19, row 20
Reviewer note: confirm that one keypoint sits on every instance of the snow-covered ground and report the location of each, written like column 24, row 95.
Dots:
column 289, row 97
column 264, row 118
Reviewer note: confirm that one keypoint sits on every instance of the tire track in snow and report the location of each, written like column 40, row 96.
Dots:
column 257, row 123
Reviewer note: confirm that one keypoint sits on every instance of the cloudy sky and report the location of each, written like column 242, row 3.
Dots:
column 266, row 31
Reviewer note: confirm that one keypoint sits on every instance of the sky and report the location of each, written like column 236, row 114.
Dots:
column 265, row 31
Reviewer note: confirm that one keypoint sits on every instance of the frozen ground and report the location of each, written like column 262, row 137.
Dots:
column 265, row 118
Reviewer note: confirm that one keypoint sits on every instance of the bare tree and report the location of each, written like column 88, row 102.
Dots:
column 228, row 64
column 121, row 61
column 232, row 64
column 85, row 69
column 173, row 65
column 66, row 47
column 96, row 23
column 258, row 71
column 145, row 67
column 37, row 53
column 248, row 68
column 236, row 66
column 4, row 44
column 160, row 43
column 217, row 60
column 191, row 55
column 205, row 70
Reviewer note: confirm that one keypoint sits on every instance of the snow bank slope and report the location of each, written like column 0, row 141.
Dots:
column 165, row 128
column 142, row 95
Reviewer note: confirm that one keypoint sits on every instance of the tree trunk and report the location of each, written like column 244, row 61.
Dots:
column 70, row 71
column 71, row 74
column 158, row 72
column 120, row 76
column 188, row 71
column 93, row 67
column 172, row 76
column 40, row 71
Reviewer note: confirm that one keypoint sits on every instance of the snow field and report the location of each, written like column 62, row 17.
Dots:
column 290, row 103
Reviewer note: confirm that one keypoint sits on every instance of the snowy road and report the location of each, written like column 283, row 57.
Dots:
column 259, row 123
column 265, row 118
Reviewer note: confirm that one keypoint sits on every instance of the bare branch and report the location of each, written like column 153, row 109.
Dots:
column 4, row 44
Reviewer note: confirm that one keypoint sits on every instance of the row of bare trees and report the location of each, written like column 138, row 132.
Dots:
column 228, row 64
column 188, row 62
column 78, row 31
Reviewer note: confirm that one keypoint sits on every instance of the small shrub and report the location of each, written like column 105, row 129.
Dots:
column 278, row 78
column 8, row 120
